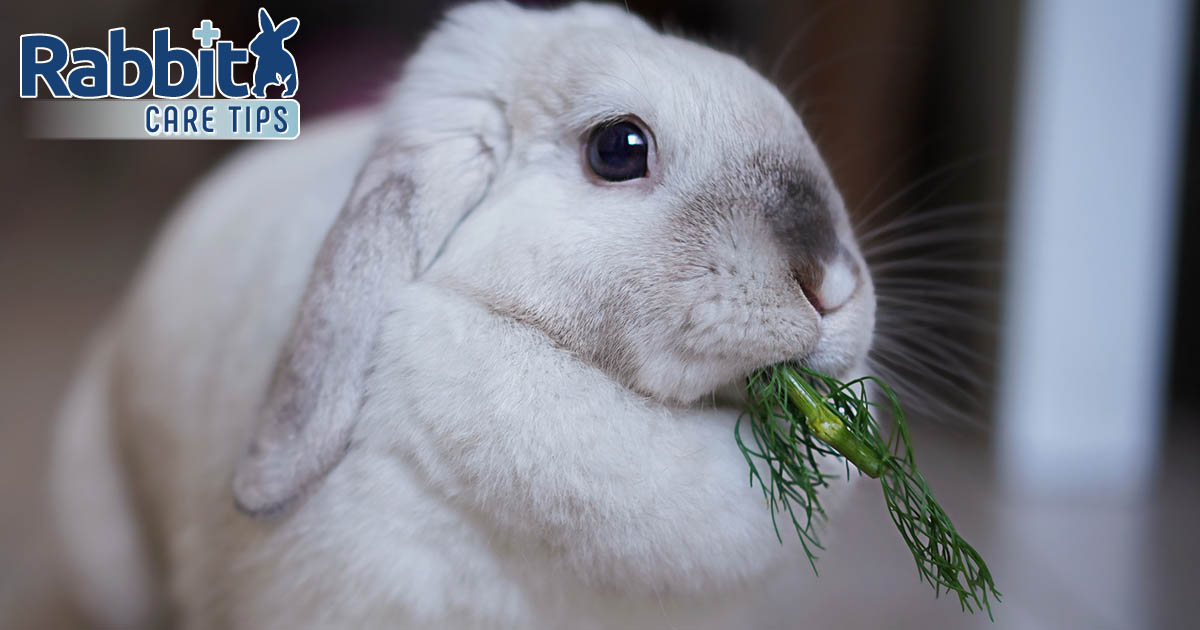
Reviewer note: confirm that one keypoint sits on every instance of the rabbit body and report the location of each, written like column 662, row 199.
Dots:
column 492, row 415
column 505, row 460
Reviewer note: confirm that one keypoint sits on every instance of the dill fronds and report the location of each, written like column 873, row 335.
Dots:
column 795, row 415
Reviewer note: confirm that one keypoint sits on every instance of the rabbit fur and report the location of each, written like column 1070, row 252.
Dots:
column 419, row 368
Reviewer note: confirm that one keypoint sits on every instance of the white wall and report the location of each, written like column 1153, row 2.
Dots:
column 1099, row 131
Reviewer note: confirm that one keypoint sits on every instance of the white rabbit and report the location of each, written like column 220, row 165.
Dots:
column 453, row 363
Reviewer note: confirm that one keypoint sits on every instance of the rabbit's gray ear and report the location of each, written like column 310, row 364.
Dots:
column 445, row 131
column 264, row 21
column 392, row 225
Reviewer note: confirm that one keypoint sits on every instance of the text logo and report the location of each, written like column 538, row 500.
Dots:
column 167, row 73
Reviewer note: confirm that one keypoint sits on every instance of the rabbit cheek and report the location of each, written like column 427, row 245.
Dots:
column 720, row 304
column 736, row 250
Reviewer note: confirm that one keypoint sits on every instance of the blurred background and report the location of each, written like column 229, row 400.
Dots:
column 1022, row 175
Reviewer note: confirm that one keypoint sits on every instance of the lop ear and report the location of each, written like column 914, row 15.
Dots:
column 445, row 131
column 403, row 207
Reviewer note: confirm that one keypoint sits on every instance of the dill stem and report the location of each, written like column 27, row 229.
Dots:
column 828, row 428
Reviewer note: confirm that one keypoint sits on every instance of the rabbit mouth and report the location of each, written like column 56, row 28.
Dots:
column 731, row 397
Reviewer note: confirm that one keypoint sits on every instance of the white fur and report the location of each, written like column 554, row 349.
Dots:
column 535, row 443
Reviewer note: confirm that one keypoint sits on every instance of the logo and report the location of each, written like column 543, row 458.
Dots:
column 272, row 62
column 193, row 95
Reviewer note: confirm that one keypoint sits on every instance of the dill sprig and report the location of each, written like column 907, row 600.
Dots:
column 797, row 415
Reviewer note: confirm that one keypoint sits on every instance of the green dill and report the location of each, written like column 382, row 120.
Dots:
column 796, row 416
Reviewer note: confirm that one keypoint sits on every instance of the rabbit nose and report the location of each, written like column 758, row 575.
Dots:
column 829, row 289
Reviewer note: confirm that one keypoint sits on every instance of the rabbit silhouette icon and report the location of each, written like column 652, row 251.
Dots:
column 274, row 65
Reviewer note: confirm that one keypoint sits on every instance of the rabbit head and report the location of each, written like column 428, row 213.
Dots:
column 270, row 38
column 653, row 206
column 726, row 247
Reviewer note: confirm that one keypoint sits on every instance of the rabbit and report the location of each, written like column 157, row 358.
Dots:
column 273, row 63
column 469, row 358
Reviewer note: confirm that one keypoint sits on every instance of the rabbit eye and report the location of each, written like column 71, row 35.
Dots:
column 618, row 151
